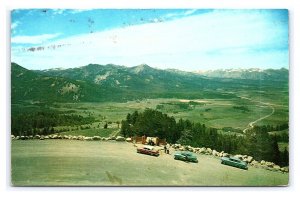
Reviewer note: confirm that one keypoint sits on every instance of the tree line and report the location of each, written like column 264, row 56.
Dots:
column 256, row 142
column 42, row 122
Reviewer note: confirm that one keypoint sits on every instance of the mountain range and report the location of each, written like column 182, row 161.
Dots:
column 252, row 73
column 97, row 83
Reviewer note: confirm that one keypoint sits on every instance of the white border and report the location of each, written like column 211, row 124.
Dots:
column 294, row 9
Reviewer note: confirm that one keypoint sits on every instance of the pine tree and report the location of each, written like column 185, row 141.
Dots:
column 276, row 152
column 285, row 157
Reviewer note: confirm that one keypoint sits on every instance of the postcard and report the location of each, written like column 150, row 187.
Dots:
column 149, row 97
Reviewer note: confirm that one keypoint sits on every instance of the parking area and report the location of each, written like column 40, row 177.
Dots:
column 99, row 163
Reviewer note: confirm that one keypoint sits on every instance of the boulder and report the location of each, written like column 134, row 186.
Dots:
column 54, row 137
column 22, row 137
column 128, row 139
column 80, row 137
column 30, row 137
column 74, row 138
column 120, row 139
column 176, row 146
column 202, row 150
column 215, row 153
column 262, row 162
column 225, row 155
column 264, row 167
column 42, row 137
column 276, row 167
column 189, row 148
column 249, row 159
column 220, row 154
column 284, row 169
column 254, row 163
column 197, row 149
column 46, row 137
column 239, row 156
column 18, row 137
column 97, row 138
column 12, row 137
column 270, row 164
column 88, row 138
column 181, row 148
column 209, row 151
column 270, row 169
column 244, row 157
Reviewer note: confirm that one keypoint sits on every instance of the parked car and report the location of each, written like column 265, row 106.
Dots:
column 148, row 150
column 185, row 156
column 235, row 162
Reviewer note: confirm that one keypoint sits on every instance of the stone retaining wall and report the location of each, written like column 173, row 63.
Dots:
column 246, row 158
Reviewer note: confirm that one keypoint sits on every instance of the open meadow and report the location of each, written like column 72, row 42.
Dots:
column 217, row 113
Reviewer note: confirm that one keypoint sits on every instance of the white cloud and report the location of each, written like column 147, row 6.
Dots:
column 79, row 11
column 189, row 12
column 216, row 38
column 58, row 11
column 38, row 39
column 15, row 24
column 180, row 14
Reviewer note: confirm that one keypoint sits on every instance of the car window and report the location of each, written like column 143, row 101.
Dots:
column 236, row 160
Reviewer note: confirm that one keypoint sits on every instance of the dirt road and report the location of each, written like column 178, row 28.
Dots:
column 263, row 104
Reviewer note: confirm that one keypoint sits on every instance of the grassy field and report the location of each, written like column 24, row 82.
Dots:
column 99, row 163
column 216, row 113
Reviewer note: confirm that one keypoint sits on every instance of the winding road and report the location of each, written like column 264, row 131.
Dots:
column 251, row 124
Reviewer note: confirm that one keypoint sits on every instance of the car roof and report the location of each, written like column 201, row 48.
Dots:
column 149, row 147
column 185, row 152
column 235, row 158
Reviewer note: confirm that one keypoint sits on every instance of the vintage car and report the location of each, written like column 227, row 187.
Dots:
column 185, row 156
column 148, row 150
column 235, row 162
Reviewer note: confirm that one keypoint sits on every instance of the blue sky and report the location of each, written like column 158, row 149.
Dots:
column 185, row 39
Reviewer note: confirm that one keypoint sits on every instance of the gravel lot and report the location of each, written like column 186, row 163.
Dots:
column 110, row 163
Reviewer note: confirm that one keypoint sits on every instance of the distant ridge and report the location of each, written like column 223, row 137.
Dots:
column 98, row 83
column 251, row 73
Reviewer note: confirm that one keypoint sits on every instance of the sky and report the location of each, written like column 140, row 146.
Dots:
column 184, row 39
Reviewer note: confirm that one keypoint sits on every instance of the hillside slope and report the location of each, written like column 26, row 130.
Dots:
column 94, row 83
column 29, row 85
